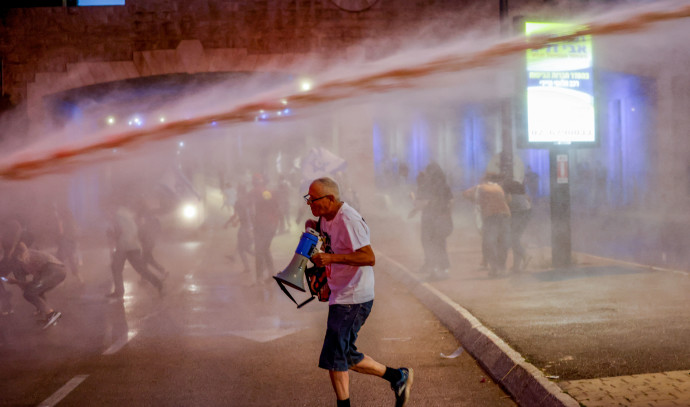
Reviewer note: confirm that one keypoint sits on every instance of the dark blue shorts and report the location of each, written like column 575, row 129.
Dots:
column 339, row 352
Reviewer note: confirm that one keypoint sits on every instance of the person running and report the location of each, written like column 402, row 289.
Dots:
column 124, row 236
column 349, row 261
column 149, row 230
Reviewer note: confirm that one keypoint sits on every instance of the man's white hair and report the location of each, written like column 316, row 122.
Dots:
column 329, row 185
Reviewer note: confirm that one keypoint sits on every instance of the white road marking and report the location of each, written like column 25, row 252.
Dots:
column 397, row 264
column 117, row 345
column 63, row 391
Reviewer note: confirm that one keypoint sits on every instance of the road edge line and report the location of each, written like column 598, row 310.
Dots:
column 63, row 391
column 522, row 380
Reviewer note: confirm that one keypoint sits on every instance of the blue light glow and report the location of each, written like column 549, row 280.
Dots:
column 418, row 145
column 100, row 2
column 474, row 152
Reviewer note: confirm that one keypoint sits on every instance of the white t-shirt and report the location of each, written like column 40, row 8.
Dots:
column 345, row 234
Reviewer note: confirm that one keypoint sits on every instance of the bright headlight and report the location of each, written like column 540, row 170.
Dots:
column 189, row 211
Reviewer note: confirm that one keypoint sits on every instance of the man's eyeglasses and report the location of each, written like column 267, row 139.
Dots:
column 311, row 200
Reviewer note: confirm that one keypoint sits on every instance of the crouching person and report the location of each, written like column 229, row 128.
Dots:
column 46, row 272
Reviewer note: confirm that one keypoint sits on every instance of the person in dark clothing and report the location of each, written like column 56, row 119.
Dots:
column 434, row 199
column 282, row 197
column 242, row 218
column 67, row 241
column 124, row 237
column 149, row 230
column 12, row 233
column 266, row 216
column 520, row 210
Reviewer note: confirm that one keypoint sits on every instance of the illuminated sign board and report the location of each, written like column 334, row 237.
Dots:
column 560, row 94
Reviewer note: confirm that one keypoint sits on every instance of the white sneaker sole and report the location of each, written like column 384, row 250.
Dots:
column 53, row 320
column 408, row 386
column 410, row 380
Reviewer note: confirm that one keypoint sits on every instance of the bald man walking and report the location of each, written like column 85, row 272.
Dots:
column 349, row 261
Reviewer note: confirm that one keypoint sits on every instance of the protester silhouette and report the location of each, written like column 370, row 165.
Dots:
column 242, row 218
column 149, row 231
column 434, row 199
column 520, row 211
column 495, row 214
column 266, row 216
column 123, row 236
column 67, row 244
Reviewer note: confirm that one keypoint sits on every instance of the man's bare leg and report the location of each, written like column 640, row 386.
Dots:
column 369, row 366
column 341, row 384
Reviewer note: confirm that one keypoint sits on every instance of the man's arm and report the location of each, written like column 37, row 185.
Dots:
column 361, row 257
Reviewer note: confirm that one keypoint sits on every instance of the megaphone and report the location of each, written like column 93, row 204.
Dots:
column 293, row 275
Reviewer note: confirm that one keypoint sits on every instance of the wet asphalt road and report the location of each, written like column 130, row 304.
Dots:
column 218, row 339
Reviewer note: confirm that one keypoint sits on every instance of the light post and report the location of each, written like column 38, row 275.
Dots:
column 506, row 162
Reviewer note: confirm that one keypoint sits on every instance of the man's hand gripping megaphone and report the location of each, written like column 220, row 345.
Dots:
column 318, row 257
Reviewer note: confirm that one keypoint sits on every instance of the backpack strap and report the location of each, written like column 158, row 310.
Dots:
column 318, row 225
column 285, row 290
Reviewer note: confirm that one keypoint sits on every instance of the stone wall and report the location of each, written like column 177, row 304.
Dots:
column 45, row 50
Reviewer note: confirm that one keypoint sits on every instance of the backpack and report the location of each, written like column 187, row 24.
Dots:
column 318, row 283
column 317, row 278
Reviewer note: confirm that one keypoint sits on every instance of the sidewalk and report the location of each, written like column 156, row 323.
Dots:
column 600, row 333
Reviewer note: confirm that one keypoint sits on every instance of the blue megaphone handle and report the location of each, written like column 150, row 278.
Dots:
column 307, row 244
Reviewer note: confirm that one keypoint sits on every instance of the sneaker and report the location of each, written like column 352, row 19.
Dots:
column 52, row 319
column 402, row 387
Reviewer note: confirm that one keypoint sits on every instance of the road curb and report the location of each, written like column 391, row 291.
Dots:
column 520, row 379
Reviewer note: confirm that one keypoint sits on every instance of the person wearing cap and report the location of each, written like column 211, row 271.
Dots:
column 349, row 261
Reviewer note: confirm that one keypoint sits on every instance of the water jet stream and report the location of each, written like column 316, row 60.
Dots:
column 24, row 167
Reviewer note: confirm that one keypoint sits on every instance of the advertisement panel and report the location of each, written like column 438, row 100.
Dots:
column 560, row 88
